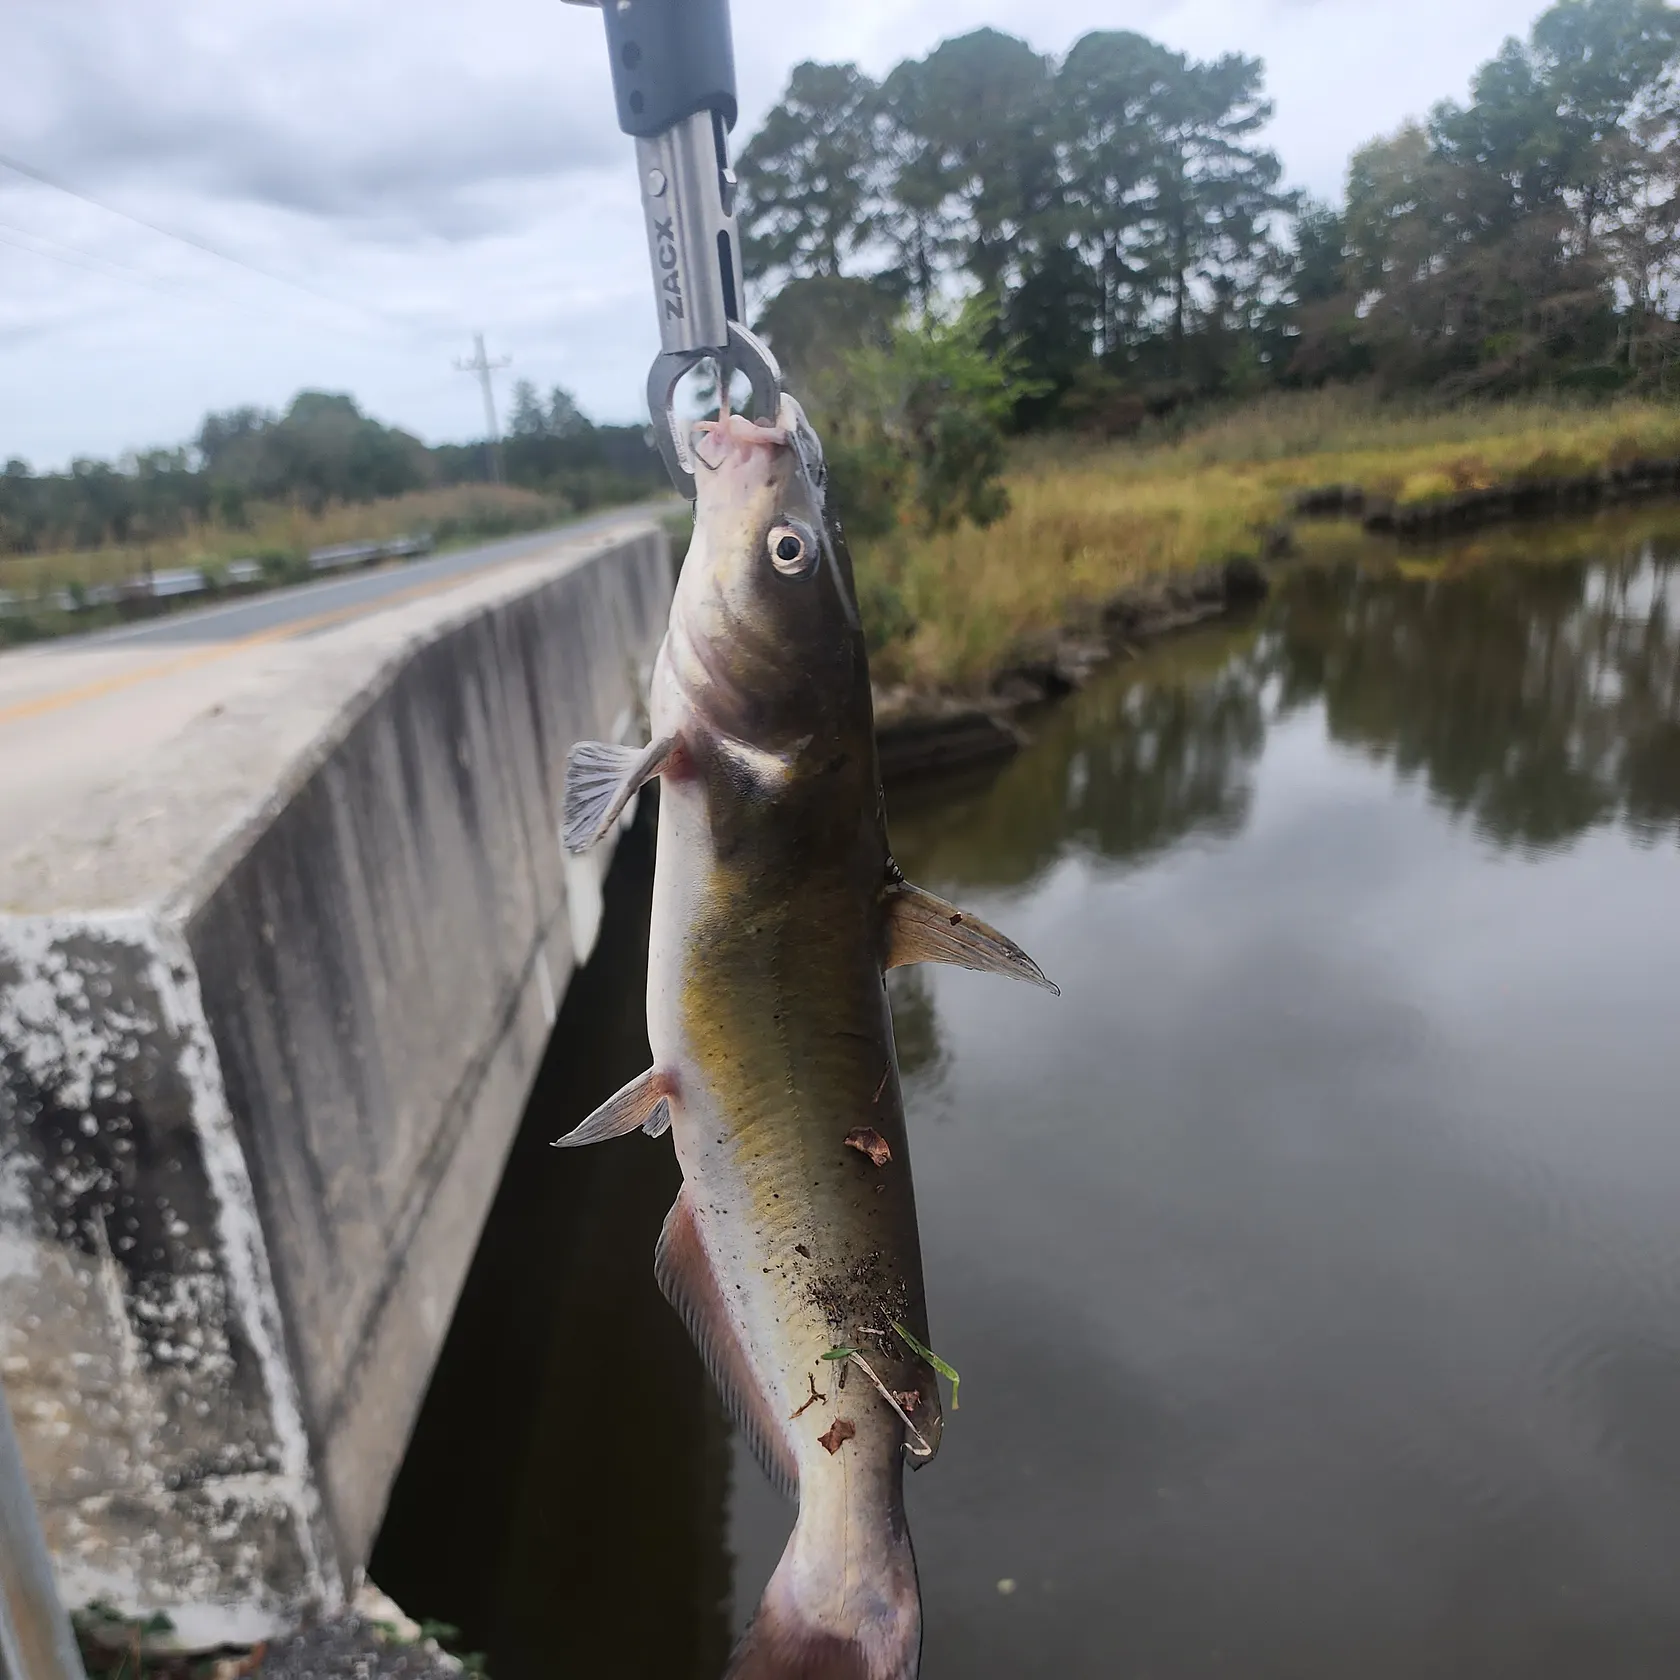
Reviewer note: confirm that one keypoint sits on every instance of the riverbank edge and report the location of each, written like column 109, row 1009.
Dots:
column 920, row 735
column 1538, row 497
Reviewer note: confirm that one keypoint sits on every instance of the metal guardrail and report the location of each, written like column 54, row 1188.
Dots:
column 341, row 555
column 178, row 581
column 35, row 1638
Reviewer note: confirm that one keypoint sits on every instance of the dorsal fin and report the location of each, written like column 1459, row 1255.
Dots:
column 690, row 1283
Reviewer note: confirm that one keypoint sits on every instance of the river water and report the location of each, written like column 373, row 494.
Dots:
column 1312, row 1265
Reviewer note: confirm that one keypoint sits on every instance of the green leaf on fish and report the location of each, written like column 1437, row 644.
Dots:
column 948, row 1372
column 840, row 1353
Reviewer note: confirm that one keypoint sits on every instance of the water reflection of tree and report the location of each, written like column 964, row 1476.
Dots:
column 921, row 1052
column 1537, row 701
column 1143, row 758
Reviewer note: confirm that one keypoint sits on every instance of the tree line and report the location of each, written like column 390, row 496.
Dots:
column 1125, row 244
column 1116, row 214
column 321, row 449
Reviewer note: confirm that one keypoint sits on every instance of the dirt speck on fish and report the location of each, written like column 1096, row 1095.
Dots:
column 777, row 909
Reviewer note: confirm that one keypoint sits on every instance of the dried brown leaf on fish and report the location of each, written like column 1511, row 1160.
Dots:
column 867, row 1141
column 838, row 1434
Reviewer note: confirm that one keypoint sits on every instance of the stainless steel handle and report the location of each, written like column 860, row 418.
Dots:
column 688, row 198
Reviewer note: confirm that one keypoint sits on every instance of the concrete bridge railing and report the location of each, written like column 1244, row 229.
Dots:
column 35, row 1638
column 270, row 1005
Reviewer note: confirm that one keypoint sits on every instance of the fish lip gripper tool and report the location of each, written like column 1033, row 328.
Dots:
column 673, row 73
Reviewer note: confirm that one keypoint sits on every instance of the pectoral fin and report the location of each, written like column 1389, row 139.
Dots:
column 600, row 781
column 690, row 1283
column 922, row 928
column 645, row 1102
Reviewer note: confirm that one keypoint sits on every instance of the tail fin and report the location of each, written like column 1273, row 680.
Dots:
column 815, row 1624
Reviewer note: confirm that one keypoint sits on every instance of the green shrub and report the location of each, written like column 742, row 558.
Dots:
column 914, row 427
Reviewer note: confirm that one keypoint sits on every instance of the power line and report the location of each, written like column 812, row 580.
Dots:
column 52, row 256
column 484, row 367
column 85, row 260
column 18, row 167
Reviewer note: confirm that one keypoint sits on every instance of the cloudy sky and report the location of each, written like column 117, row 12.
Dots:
column 389, row 176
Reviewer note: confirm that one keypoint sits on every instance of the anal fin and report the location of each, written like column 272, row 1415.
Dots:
column 689, row 1282
column 923, row 928
column 645, row 1103
column 601, row 780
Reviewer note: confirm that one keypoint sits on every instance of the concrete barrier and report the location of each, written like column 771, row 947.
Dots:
column 259, row 1072
column 36, row 1642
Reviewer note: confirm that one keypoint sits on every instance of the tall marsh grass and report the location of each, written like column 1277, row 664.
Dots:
column 1087, row 519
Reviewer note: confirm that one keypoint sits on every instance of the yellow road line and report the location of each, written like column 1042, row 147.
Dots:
column 46, row 703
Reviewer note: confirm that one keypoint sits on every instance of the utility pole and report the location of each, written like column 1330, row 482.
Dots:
column 484, row 367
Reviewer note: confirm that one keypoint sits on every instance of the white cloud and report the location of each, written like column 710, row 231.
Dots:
column 419, row 170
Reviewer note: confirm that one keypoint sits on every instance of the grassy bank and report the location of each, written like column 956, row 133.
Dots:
column 1088, row 519
column 282, row 536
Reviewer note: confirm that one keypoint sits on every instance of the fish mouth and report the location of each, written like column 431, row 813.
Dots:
column 737, row 441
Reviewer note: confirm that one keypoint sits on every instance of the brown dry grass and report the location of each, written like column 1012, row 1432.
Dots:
column 1088, row 519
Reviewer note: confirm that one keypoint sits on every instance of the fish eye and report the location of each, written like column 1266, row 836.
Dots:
column 793, row 547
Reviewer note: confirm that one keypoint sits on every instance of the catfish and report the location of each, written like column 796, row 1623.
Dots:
column 792, row 1253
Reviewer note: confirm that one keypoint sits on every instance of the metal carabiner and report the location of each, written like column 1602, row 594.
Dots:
column 748, row 354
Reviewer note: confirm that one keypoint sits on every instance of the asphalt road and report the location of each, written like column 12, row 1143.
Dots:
column 106, row 739
column 338, row 597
